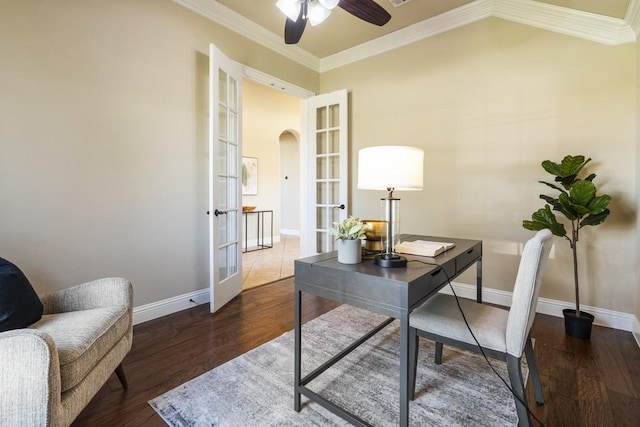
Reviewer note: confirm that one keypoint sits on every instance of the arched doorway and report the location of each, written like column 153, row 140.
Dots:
column 290, row 183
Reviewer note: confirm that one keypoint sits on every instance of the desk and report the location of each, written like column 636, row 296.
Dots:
column 393, row 292
column 260, row 230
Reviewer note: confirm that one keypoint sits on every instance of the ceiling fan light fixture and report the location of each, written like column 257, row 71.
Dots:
column 291, row 8
column 299, row 12
column 317, row 13
column 329, row 4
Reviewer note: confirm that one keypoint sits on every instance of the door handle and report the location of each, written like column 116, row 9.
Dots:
column 339, row 206
column 217, row 212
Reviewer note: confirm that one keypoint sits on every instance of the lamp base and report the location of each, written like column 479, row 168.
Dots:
column 390, row 261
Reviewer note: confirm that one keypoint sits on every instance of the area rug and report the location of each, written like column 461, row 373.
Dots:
column 256, row 389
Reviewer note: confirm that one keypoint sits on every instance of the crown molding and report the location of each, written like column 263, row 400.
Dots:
column 237, row 23
column 455, row 18
column 588, row 26
column 632, row 17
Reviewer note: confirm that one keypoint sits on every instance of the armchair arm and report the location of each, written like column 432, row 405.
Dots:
column 29, row 378
column 108, row 292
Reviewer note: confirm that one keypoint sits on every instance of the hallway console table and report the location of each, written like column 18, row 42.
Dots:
column 393, row 292
column 260, row 230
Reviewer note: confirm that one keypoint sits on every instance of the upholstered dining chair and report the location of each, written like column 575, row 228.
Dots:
column 503, row 334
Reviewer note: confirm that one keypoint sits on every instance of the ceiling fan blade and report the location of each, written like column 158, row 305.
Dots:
column 293, row 29
column 367, row 10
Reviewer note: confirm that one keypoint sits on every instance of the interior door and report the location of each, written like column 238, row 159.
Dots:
column 327, row 166
column 225, row 190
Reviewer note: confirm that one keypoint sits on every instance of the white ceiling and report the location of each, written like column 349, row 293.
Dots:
column 343, row 38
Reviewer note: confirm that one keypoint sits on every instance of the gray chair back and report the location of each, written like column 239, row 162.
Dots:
column 525, row 292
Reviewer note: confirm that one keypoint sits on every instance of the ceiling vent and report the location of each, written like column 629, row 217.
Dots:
column 396, row 3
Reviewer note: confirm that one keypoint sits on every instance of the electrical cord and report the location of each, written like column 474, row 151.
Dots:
column 515, row 395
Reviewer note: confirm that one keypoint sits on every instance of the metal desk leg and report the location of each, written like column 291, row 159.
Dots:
column 404, row 370
column 479, row 280
column 298, row 350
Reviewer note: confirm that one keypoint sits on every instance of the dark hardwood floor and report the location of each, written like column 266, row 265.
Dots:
column 592, row 382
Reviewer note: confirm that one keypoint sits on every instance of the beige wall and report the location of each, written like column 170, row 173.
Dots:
column 103, row 140
column 267, row 114
column 488, row 102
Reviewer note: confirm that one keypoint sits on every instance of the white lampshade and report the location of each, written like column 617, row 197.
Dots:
column 317, row 13
column 390, row 166
column 291, row 8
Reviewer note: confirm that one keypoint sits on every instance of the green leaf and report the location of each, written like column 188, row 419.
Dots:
column 571, row 165
column 552, row 168
column 567, row 171
column 355, row 229
column 566, row 181
column 544, row 218
column 582, row 192
column 570, row 210
column 553, row 202
column 598, row 204
column 595, row 219
column 555, row 187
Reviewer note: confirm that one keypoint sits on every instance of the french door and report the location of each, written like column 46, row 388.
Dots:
column 225, row 192
column 327, row 166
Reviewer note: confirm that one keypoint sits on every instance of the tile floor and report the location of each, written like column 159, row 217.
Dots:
column 268, row 265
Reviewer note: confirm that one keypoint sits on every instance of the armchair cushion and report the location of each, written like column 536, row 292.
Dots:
column 83, row 338
column 19, row 303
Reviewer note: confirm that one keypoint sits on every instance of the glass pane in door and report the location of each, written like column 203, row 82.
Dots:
column 334, row 115
column 228, row 177
column 325, row 207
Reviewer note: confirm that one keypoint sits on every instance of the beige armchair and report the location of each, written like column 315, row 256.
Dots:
column 52, row 369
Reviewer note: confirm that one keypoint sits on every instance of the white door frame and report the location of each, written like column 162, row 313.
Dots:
column 303, row 94
column 307, row 210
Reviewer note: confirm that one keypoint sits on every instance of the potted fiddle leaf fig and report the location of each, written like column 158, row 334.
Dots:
column 349, row 234
column 579, row 203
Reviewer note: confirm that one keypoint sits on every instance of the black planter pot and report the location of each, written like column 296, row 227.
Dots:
column 579, row 327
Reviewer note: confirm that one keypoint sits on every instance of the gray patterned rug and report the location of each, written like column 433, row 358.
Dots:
column 256, row 389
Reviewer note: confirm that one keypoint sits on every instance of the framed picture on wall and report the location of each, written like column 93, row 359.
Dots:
column 249, row 176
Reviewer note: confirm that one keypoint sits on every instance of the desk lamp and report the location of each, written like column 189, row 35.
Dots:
column 390, row 168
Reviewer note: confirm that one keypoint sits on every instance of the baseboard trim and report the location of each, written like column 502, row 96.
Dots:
column 636, row 330
column 607, row 318
column 289, row 232
column 168, row 306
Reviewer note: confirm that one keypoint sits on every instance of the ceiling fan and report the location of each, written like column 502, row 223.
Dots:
column 316, row 11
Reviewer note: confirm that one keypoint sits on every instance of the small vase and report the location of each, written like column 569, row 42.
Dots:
column 349, row 251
